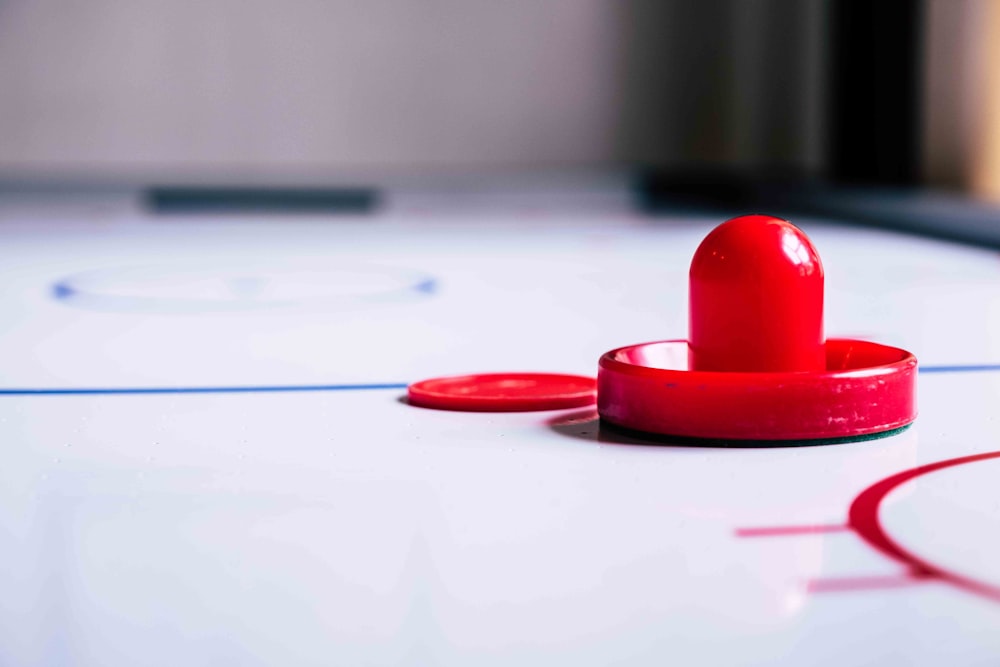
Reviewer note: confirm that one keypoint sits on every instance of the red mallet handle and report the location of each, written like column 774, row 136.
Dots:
column 756, row 299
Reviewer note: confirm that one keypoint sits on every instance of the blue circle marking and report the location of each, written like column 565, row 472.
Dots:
column 200, row 287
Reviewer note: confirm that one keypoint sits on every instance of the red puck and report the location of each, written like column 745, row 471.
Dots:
column 504, row 392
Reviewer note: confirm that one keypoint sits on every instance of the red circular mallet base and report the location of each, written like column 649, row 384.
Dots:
column 866, row 389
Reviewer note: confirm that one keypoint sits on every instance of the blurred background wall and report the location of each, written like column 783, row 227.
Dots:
column 158, row 90
column 142, row 89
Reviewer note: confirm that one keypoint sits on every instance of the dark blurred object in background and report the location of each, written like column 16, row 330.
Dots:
column 876, row 66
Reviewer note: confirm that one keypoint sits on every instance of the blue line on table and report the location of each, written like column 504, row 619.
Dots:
column 106, row 391
column 974, row 368
column 200, row 390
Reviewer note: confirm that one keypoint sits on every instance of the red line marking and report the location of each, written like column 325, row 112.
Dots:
column 849, row 584
column 784, row 531
column 864, row 519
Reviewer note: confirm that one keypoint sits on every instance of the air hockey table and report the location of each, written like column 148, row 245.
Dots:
column 208, row 457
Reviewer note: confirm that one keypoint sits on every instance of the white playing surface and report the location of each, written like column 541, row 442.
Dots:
column 341, row 526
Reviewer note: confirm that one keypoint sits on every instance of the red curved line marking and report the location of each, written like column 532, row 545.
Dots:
column 782, row 531
column 850, row 584
column 863, row 517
